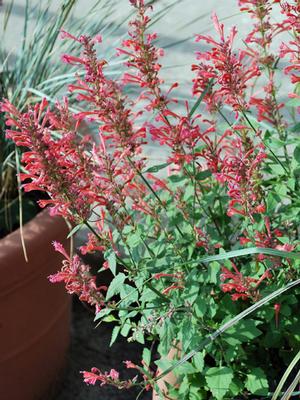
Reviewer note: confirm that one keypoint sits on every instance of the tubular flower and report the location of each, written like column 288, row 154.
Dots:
column 78, row 279
column 229, row 74
column 57, row 165
column 107, row 378
column 244, row 287
column 240, row 171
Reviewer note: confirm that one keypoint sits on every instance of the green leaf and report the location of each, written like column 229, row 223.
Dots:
column 114, row 335
column 219, row 380
column 116, row 285
column 176, row 178
column 295, row 102
column 198, row 361
column 200, row 307
column 201, row 97
column 125, row 329
column 157, row 168
column 147, row 356
column 112, row 262
column 74, row 230
column 139, row 337
column 185, row 369
column 277, row 169
column 102, row 313
column 236, row 386
column 128, row 295
column 257, row 382
column 297, row 154
column 186, row 332
column 134, row 239
column 109, row 318
column 244, row 332
column 296, row 128
column 203, row 175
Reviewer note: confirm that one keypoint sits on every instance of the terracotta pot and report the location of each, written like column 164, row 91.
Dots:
column 34, row 314
column 170, row 378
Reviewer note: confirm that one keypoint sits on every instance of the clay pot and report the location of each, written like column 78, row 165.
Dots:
column 170, row 378
column 34, row 314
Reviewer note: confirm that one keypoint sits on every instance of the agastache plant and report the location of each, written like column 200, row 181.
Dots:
column 228, row 188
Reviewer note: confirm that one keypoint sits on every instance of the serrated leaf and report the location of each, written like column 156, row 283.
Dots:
column 219, row 380
column 109, row 318
column 198, row 361
column 295, row 102
column 297, row 154
column 128, row 295
column 102, row 313
column 133, row 239
column 244, row 332
column 112, row 262
column 157, row 168
column 185, row 369
column 257, row 382
column 176, row 178
column 236, row 386
column 203, row 175
column 164, row 363
column 115, row 286
column 296, row 128
column 125, row 329
column 114, row 335
column 147, row 356
column 201, row 97
column 139, row 337
column 74, row 230
column 200, row 307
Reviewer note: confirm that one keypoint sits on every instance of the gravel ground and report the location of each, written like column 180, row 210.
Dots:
column 90, row 348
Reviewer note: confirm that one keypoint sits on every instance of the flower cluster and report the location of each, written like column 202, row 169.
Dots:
column 108, row 378
column 240, row 171
column 244, row 286
column 78, row 279
column 229, row 73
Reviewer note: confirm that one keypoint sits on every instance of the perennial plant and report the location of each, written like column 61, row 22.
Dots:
column 198, row 239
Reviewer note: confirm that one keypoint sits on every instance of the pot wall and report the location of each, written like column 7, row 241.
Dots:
column 34, row 314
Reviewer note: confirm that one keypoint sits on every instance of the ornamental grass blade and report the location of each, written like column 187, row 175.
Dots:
column 245, row 252
column 213, row 336
column 287, row 395
column 285, row 376
column 7, row 13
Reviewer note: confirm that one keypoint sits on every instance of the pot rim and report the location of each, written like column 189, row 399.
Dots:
column 38, row 235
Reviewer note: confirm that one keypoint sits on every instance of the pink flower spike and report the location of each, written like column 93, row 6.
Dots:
column 66, row 35
column 114, row 374
column 59, row 247
column 130, row 364
column 91, row 377
column 219, row 27
column 97, row 39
